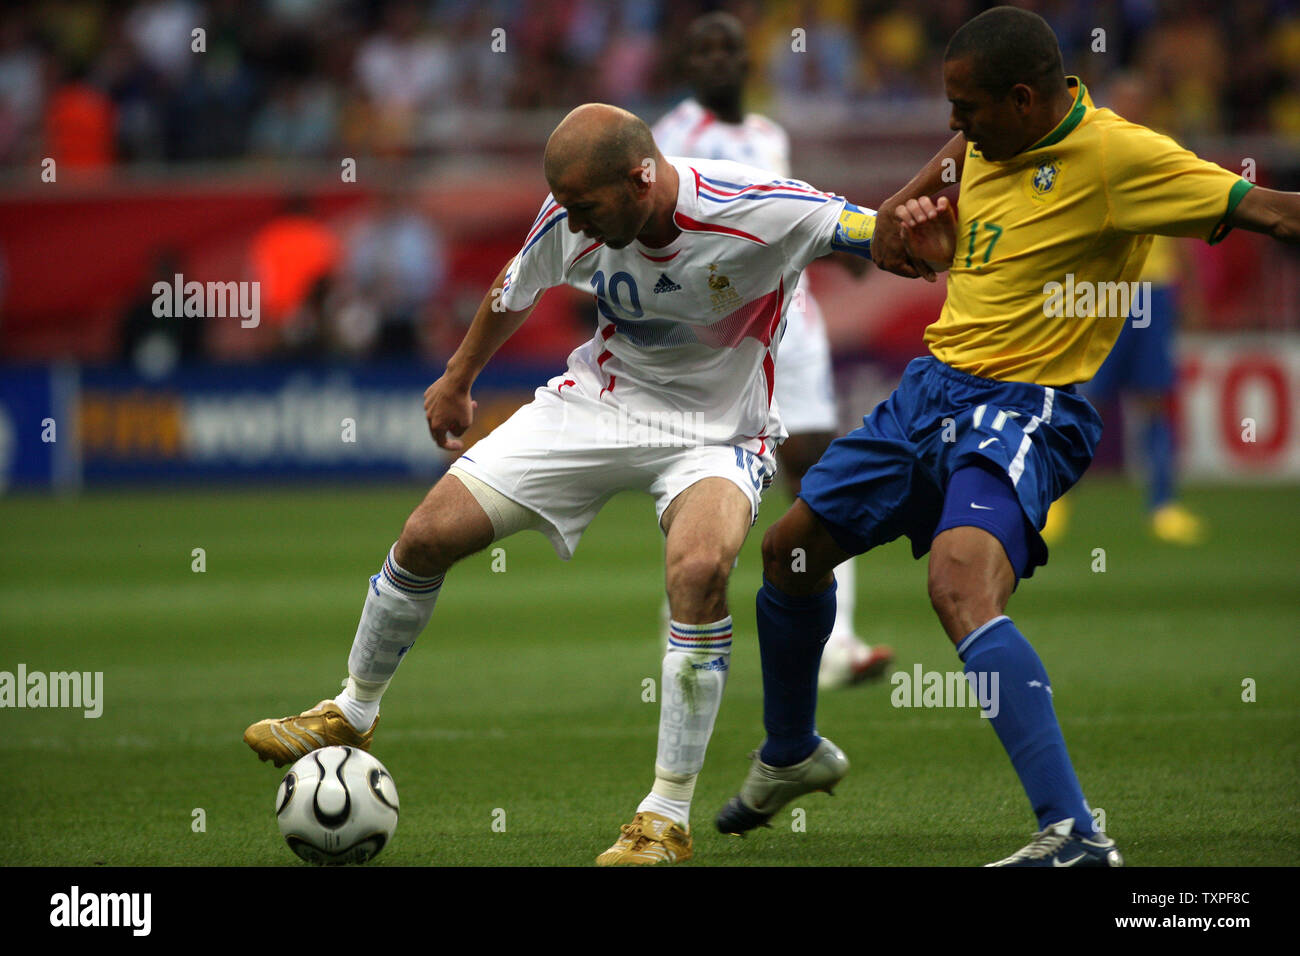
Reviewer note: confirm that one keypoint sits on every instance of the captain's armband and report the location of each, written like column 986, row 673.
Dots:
column 854, row 230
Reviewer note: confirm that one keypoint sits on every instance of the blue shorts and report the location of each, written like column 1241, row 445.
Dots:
column 890, row 477
column 1143, row 358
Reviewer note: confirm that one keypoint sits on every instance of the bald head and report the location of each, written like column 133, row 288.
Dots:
column 597, row 145
column 603, row 168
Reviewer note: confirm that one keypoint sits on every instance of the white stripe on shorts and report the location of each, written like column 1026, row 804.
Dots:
column 1017, row 467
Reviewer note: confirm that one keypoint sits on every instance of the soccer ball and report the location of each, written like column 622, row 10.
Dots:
column 337, row 805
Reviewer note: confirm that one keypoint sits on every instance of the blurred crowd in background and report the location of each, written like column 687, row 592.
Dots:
column 170, row 89
column 99, row 82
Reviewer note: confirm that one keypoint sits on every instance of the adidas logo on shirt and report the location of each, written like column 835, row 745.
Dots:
column 666, row 284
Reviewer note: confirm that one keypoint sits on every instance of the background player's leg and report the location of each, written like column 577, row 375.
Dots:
column 1170, row 520
column 1151, row 386
column 706, row 525
column 970, row 581
column 1157, row 441
column 1158, row 444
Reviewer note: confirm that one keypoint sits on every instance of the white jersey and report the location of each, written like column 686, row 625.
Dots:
column 804, row 382
column 691, row 130
column 690, row 328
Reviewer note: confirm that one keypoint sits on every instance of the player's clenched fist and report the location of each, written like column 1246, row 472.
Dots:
column 449, row 411
column 889, row 252
column 929, row 230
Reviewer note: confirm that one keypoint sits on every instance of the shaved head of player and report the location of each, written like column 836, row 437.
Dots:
column 1004, row 77
column 717, row 64
column 603, row 167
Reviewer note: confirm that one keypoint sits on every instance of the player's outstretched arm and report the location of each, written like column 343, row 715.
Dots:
column 938, row 174
column 929, row 231
column 1269, row 211
column 447, row 403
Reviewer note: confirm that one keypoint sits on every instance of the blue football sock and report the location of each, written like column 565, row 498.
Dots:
column 791, row 633
column 1025, row 721
column 1159, row 442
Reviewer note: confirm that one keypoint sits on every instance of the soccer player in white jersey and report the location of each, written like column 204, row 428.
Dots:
column 713, row 125
column 692, row 264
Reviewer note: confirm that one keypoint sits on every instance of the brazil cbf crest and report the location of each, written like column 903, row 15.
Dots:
column 1043, row 180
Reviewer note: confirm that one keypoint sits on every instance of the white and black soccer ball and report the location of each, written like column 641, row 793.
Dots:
column 337, row 805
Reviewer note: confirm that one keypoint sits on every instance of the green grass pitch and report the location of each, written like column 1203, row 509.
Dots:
column 522, row 703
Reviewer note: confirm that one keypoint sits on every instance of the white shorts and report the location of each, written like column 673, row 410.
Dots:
column 563, row 455
column 804, row 387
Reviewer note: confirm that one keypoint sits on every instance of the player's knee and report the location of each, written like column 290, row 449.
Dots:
column 424, row 547
column 777, row 565
column 794, row 559
column 945, row 595
column 960, row 596
column 699, row 576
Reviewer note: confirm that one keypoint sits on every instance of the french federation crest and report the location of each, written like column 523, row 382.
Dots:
column 1043, row 179
column 724, row 295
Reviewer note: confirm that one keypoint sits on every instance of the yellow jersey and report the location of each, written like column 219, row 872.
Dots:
column 1051, row 243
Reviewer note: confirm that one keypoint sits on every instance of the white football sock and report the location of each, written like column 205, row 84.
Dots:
column 845, row 603
column 398, row 606
column 693, row 678
column 679, row 810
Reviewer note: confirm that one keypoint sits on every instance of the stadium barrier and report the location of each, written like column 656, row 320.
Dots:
column 1237, row 403
column 64, row 427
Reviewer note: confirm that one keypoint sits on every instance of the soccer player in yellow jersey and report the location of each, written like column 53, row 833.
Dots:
column 1139, row 371
column 1058, row 203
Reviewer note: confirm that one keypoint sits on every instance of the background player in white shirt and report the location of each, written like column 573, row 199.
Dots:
column 692, row 266
column 713, row 125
